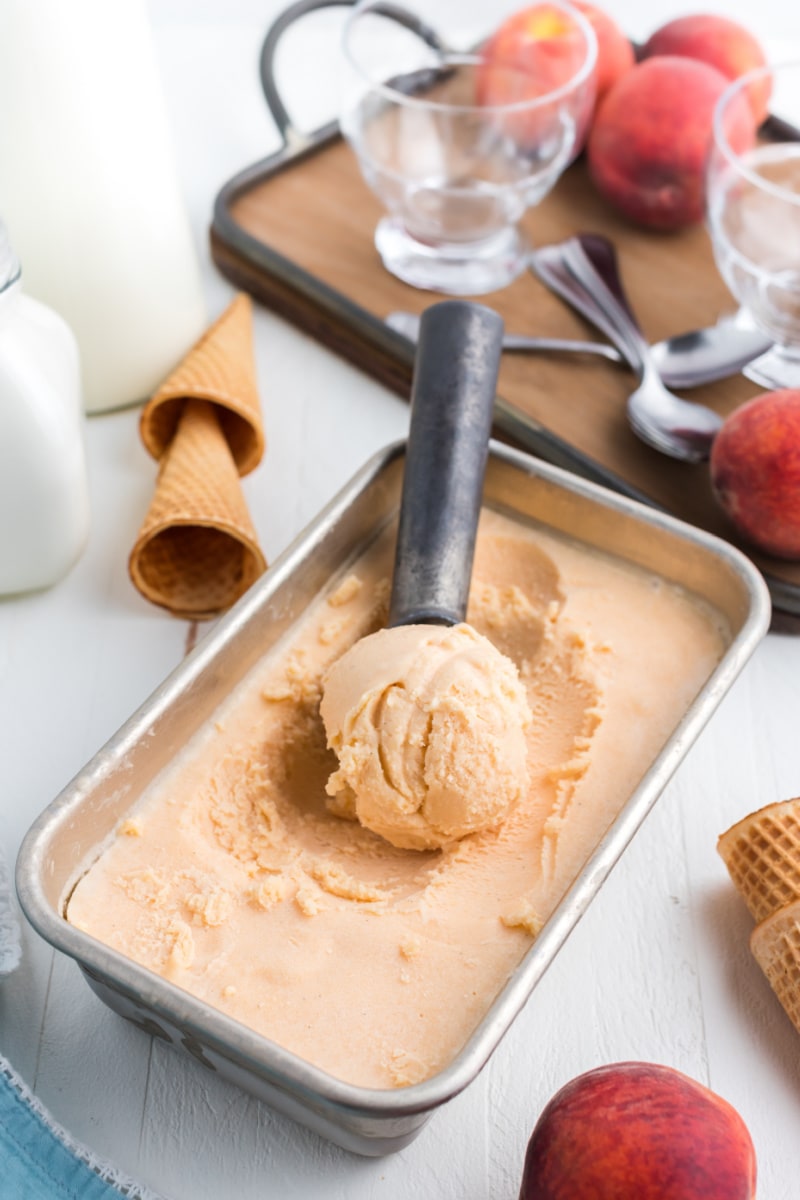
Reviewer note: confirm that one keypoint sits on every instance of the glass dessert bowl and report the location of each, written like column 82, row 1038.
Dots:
column 753, row 203
column 459, row 127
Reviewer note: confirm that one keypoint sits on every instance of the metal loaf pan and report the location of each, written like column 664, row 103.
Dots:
column 68, row 835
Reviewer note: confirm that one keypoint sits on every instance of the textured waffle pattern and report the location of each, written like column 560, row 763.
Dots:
column 775, row 944
column 197, row 551
column 219, row 368
column 762, row 854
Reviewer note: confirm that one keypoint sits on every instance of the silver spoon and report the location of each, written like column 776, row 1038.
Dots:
column 684, row 360
column 676, row 427
column 583, row 269
column 705, row 355
column 408, row 324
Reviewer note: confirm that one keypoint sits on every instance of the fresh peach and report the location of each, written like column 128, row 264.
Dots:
column 638, row 1131
column 650, row 137
column 755, row 471
column 720, row 42
column 535, row 51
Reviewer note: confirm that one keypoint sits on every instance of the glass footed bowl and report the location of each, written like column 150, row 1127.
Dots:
column 753, row 217
column 459, row 129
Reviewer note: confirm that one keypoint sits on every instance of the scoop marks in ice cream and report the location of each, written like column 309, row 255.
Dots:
column 428, row 723
column 232, row 878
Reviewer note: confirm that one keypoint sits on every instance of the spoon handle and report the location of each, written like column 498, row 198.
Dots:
column 407, row 323
column 452, row 404
column 550, row 265
column 603, row 257
column 592, row 261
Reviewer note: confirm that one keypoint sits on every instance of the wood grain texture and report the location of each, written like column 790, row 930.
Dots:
column 317, row 215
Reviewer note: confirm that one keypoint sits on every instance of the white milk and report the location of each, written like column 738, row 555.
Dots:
column 89, row 190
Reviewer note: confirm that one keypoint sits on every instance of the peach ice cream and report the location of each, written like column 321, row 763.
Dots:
column 232, row 877
column 428, row 723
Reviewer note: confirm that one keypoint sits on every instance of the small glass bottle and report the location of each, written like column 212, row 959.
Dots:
column 44, row 494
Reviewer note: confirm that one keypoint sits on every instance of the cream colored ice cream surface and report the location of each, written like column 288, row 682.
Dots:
column 234, row 879
column 428, row 724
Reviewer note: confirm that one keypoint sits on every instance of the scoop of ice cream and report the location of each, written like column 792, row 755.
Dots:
column 428, row 723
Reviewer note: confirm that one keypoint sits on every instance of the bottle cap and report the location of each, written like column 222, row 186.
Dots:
column 10, row 269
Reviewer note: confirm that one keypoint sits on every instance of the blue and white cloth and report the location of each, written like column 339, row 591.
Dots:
column 40, row 1161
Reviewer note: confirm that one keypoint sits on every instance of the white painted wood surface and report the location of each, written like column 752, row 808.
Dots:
column 658, row 969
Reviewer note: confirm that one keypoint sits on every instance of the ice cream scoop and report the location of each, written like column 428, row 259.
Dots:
column 428, row 722
column 427, row 717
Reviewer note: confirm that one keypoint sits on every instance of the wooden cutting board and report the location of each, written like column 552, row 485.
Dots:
column 296, row 231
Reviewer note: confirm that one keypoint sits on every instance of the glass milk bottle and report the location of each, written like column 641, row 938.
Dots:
column 90, row 193
column 44, row 495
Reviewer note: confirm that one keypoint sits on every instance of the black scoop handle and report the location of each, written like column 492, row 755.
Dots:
column 452, row 401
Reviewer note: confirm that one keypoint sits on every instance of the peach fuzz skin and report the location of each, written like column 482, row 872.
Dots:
column 538, row 40
column 535, row 51
column 755, row 471
column 638, row 1131
column 538, row 50
column 647, row 147
column 720, row 42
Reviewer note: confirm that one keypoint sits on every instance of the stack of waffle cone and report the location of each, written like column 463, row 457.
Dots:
column 197, row 551
column 762, row 854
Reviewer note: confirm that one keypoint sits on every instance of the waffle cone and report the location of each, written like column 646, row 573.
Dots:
column 219, row 368
column 775, row 944
column 197, row 551
column 762, row 854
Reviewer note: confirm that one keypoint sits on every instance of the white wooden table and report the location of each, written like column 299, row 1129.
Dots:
column 658, row 969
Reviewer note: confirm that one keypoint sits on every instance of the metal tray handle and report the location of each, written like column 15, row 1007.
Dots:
column 289, row 132
column 291, row 135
